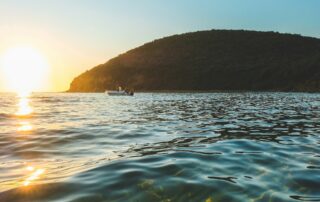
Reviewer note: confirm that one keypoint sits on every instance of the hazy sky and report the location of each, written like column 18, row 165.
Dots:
column 75, row 35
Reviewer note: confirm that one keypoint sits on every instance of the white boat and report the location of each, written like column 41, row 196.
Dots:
column 120, row 92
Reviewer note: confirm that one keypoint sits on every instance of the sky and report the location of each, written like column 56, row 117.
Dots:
column 76, row 35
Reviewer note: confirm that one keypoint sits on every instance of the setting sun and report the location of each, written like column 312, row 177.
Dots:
column 24, row 69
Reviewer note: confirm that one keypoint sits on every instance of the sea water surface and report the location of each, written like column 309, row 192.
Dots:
column 160, row 147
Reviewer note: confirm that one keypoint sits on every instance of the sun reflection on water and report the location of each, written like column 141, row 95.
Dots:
column 36, row 173
column 25, row 126
column 24, row 108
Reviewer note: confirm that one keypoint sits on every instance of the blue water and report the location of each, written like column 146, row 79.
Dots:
column 160, row 147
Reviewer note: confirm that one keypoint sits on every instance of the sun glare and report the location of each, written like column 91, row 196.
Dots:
column 25, row 69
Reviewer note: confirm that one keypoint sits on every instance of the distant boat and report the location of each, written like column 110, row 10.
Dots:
column 120, row 92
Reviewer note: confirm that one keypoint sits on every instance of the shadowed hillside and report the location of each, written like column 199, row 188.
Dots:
column 212, row 60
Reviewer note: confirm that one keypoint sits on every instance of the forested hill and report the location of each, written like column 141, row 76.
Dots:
column 223, row 60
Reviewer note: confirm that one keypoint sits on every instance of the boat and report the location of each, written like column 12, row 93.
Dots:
column 120, row 92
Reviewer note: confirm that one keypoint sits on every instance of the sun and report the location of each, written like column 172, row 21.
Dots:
column 25, row 69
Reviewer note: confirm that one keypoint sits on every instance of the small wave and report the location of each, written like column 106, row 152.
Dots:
column 313, row 167
column 5, row 116
column 228, row 179
column 306, row 198
column 41, row 192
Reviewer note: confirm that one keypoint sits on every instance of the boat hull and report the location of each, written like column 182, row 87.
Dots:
column 118, row 93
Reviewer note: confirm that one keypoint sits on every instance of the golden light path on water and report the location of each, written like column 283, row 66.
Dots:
column 24, row 110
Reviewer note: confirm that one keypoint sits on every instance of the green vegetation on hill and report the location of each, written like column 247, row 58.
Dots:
column 212, row 60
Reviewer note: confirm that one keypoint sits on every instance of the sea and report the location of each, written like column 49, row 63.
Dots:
column 209, row 147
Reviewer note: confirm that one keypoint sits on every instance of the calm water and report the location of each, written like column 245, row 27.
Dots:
column 160, row 147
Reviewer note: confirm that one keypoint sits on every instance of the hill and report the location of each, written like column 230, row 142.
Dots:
column 222, row 60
